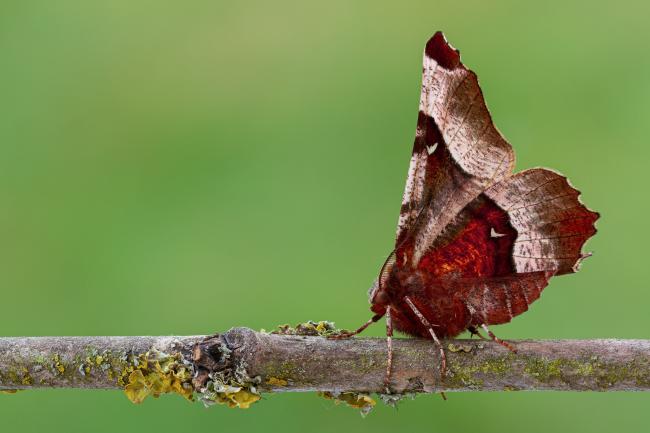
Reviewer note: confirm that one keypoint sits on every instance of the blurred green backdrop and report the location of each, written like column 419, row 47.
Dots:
column 184, row 167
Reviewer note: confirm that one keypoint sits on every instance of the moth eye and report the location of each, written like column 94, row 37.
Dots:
column 432, row 148
column 494, row 234
column 381, row 298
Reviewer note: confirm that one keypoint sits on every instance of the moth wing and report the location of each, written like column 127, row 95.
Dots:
column 471, row 302
column 491, row 239
column 497, row 300
column 551, row 222
column 458, row 152
column 508, row 243
column 532, row 221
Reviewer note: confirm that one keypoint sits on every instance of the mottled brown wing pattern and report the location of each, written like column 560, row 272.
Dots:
column 493, row 301
column 457, row 154
column 552, row 224
column 503, row 247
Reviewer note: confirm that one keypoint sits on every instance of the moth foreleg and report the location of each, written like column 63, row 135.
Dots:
column 345, row 335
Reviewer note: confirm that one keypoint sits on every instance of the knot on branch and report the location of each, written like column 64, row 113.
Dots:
column 209, row 355
column 222, row 354
column 220, row 374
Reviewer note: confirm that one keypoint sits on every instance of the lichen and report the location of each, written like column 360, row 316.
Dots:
column 544, row 370
column 459, row 347
column 155, row 373
column 13, row 376
column 566, row 370
column 233, row 388
column 393, row 399
column 592, row 370
column 26, row 379
column 497, row 366
column 460, row 376
column 58, row 365
column 322, row 328
column 274, row 381
column 281, row 370
column 357, row 400
column 241, row 397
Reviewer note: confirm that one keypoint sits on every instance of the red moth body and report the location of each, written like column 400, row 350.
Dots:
column 476, row 244
column 443, row 309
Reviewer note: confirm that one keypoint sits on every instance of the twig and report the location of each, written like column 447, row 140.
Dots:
column 281, row 363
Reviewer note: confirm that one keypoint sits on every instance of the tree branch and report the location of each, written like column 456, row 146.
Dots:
column 258, row 362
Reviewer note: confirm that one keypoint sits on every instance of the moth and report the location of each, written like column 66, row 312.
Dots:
column 476, row 244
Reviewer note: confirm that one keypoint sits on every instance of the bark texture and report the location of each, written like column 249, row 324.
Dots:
column 78, row 362
column 283, row 363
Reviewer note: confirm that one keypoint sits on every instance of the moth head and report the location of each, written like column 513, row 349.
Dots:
column 377, row 295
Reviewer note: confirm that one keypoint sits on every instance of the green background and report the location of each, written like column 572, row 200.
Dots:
column 184, row 167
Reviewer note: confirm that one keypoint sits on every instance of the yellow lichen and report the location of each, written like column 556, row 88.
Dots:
column 237, row 397
column 99, row 359
column 237, row 391
column 154, row 373
column 357, row 400
column 274, row 381
column 58, row 364
column 459, row 348
column 322, row 328
column 27, row 379
column 137, row 390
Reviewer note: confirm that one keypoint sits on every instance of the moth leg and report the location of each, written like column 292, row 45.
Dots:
column 345, row 335
column 473, row 331
column 426, row 324
column 498, row 340
column 389, row 344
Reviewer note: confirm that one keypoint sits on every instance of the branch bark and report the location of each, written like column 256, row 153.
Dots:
column 283, row 363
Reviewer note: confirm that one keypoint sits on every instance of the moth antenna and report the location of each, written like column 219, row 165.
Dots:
column 385, row 269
